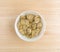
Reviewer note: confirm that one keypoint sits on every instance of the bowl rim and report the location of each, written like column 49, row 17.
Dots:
column 23, row 37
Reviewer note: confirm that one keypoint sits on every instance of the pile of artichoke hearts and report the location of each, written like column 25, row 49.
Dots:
column 30, row 25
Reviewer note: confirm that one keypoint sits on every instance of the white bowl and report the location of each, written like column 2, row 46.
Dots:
column 24, row 37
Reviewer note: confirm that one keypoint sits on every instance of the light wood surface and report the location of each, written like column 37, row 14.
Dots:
column 10, row 9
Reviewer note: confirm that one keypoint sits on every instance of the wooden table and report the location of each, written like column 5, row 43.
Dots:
column 10, row 9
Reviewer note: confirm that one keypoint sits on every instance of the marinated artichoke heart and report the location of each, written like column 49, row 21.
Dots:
column 30, row 25
column 30, row 17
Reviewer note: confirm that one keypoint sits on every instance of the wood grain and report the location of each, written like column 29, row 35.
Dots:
column 10, row 9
